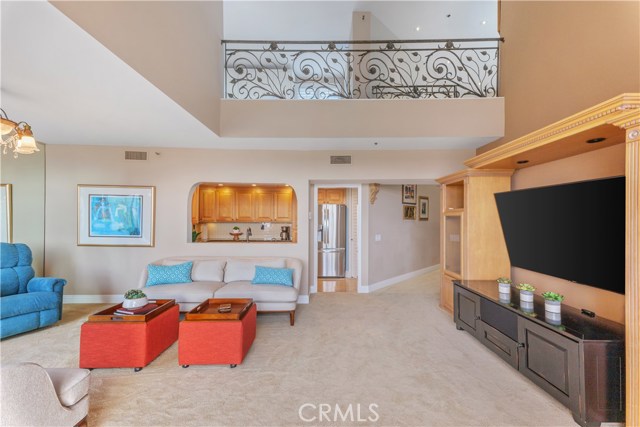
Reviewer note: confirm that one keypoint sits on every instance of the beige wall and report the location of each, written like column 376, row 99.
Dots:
column 180, row 42
column 560, row 57
column 406, row 246
column 26, row 174
column 596, row 164
column 110, row 271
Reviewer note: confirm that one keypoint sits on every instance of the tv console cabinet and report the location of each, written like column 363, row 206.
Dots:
column 577, row 359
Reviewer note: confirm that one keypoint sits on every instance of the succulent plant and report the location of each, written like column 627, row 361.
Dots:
column 526, row 287
column 504, row 280
column 134, row 294
column 236, row 228
column 552, row 296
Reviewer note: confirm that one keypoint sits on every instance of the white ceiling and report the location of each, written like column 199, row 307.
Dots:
column 72, row 90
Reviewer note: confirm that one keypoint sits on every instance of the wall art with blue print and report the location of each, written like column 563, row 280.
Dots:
column 117, row 215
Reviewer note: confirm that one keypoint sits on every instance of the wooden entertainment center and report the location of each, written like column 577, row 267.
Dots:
column 472, row 249
column 577, row 359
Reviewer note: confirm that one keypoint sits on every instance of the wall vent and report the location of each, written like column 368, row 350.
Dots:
column 340, row 160
column 135, row 155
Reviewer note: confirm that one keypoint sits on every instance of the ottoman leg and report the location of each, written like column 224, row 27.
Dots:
column 233, row 365
column 137, row 369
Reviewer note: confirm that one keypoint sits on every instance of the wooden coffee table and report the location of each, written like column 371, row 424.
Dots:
column 109, row 340
column 208, row 337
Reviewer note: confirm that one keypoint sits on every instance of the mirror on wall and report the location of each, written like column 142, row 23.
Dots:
column 26, row 176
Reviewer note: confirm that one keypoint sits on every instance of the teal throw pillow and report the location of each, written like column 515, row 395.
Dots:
column 273, row 276
column 169, row 274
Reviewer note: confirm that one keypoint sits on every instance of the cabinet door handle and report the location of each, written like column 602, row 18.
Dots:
column 520, row 345
column 477, row 317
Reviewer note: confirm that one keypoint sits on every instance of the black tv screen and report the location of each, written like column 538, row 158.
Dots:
column 572, row 231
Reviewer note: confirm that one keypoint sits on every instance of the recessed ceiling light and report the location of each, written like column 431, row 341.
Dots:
column 484, row 22
column 220, row 185
column 418, row 28
column 522, row 162
column 595, row 140
column 253, row 185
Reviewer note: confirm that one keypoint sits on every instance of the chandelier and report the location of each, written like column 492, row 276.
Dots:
column 16, row 136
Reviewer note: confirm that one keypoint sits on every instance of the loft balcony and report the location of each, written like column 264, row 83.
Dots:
column 381, row 69
column 379, row 88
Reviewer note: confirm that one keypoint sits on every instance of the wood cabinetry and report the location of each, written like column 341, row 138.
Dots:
column 577, row 359
column 472, row 244
column 245, row 204
column 332, row 195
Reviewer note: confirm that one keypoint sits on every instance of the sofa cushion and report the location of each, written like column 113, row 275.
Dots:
column 15, row 305
column 245, row 270
column 259, row 293
column 208, row 270
column 193, row 292
column 71, row 384
column 273, row 276
column 169, row 274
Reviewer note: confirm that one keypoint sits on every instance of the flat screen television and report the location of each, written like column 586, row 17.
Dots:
column 572, row 231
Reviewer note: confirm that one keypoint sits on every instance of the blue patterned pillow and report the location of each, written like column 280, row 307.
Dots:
column 166, row 274
column 273, row 276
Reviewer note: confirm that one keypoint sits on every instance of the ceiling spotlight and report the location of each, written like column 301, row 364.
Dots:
column 595, row 140
column 484, row 22
column 522, row 162
column 418, row 28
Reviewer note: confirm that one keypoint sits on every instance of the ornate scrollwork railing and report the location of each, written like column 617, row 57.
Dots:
column 387, row 69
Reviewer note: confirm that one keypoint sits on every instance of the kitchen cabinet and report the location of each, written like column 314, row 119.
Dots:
column 332, row 195
column 195, row 206
column 264, row 206
column 244, row 206
column 225, row 205
column 207, row 204
column 283, row 204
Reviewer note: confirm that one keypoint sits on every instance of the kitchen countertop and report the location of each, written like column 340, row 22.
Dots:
column 244, row 241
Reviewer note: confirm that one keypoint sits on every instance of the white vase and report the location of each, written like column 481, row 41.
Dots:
column 552, row 306
column 135, row 303
column 526, row 296
column 504, row 288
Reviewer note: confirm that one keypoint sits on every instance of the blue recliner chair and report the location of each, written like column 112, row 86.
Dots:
column 26, row 303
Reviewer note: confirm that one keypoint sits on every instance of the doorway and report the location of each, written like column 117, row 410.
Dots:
column 336, row 238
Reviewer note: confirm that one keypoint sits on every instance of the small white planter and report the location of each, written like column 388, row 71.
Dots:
column 526, row 296
column 552, row 306
column 504, row 298
column 135, row 303
column 504, row 288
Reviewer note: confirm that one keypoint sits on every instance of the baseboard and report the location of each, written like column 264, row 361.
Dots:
column 393, row 280
column 97, row 299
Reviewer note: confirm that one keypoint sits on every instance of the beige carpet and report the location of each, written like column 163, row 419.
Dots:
column 394, row 348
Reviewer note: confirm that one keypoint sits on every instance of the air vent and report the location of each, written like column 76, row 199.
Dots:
column 135, row 155
column 340, row 160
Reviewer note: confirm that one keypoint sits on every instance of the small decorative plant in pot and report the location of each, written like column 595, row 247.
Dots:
column 504, row 285
column 235, row 230
column 134, row 298
column 526, row 292
column 552, row 302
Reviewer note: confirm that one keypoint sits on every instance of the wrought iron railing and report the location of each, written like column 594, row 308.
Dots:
column 377, row 69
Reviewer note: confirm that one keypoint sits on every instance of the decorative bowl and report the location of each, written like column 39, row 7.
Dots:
column 135, row 303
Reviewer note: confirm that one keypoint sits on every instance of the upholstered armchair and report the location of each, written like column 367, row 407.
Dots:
column 35, row 396
column 26, row 302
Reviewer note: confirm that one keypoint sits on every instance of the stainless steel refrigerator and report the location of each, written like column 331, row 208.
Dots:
column 332, row 240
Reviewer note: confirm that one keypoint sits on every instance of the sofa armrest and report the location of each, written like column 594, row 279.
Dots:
column 46, row 284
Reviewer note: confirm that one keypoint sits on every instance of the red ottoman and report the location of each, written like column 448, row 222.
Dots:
column 112, row 341
column 209, row 338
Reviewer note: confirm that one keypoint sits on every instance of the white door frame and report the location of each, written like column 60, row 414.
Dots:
column 314, row 232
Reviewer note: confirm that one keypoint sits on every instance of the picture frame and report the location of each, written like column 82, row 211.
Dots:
column 409, row 212
column 423, row 208
column 409, row 194
column 116, row 215
column 6, row 213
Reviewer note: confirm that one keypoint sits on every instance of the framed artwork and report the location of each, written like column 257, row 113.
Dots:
column 6, row 212
column 409, row 194
column 116, row 215
column 423, row 208
column 409, row 212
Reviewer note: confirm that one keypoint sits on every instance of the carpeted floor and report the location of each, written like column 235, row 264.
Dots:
column 393, row 355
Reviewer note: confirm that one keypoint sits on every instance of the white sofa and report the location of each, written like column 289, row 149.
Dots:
column 228, row 277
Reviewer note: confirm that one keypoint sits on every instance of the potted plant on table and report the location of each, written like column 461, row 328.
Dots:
column 552, row 302
column 134, row 298
column 526, row 292
column 504, row 285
